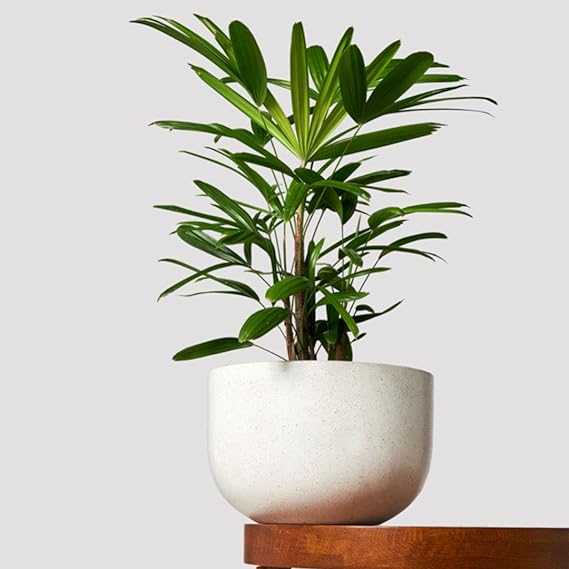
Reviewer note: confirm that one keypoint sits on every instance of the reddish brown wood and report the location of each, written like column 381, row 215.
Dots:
column 361, row 547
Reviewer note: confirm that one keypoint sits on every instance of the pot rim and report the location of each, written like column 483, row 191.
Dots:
column 323, row 363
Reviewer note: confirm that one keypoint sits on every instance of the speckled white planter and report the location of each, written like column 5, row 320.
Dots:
column 320, row 442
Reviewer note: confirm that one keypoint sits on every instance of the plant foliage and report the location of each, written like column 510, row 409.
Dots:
column 296, row 164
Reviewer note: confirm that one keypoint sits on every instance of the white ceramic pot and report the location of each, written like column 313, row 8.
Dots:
column 320, row 442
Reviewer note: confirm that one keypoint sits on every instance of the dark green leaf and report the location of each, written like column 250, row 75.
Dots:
column 250, row 62
column 205, row 243
column 220, row 36
column 217, row 130
column 327, row 92
column 317, row 64
column 353, row 256
column 312, row 256
column 295, row 195
column 182, row 210
column 375, row 139
column 365, row 317
column 353, row 84
column 397, row 82
column 372, row 271
column 197, row 275
column 375, row 69
column 271, row 162
column 329, row 298
column 287, row 287
column 379, row 176
column 210, row 348
column 242, row 104
column 439, row 78
column 228, row 206
column 299, row 84
column 191, row 39
column 382, row 215
column 262, row 322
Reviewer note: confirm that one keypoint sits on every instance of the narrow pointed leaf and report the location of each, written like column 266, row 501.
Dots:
column 329, row 298
column 184, row 211
column 295, row 195
column 191, row 39
column 375, row 139
column 252, row 69
column 299, row 84
column 220, row 36
column 218, row 130
column 353, row 83
column 375, row 69
column 384, row 214
column 287, row 287
column 262, row 322
column 205, row 243
column 397, row 82
column 359, row 318
column 210, row 348
column 242, row 104
column 228, row 206
column 379, row 176
column 317, row 64
column 328, row 90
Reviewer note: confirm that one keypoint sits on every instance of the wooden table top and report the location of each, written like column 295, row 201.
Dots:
column 390, row 547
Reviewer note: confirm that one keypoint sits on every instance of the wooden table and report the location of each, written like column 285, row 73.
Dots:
column 363, row 547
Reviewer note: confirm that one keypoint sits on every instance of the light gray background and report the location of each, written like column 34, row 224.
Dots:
column 102, row 438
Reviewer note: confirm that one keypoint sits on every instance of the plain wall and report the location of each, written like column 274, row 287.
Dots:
column 102, row 438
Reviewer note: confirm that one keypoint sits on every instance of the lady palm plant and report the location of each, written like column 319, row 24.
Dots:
column 313, row 286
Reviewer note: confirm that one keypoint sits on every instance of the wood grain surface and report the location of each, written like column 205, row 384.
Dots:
column 362, row 547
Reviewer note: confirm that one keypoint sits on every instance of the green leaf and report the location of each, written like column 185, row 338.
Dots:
column 440, row 78
column 279, row 116
column 299, row 85
column 354, row 189
column 372, row 271
column 220, row 36
column 375, row 69
column 353, row 256
column 328, row 90
column 382, row 215
column 287, row 287
column 262, row 322
column 330, row 298
column 397, row 82
column 210, row 348
column 218, row 130
column 353, row 83
column 379, row 176
column 417, row 237
column 318, row 64
column 359, row 318
column 242, row 104
column 295, row 196
column 191, row 39
column 203, row 242
column 183, row 210
column 271, row 162
column 437, row 207
column 312, row 257
column 228, row 206
column 198, row 274
column 250, row 62
column 377, row 139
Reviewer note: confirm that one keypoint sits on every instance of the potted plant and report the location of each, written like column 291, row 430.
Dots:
column 315, row 438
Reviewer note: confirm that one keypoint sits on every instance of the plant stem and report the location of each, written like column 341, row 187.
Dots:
column 299, row 271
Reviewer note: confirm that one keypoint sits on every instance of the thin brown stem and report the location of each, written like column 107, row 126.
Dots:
column 299, row 271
